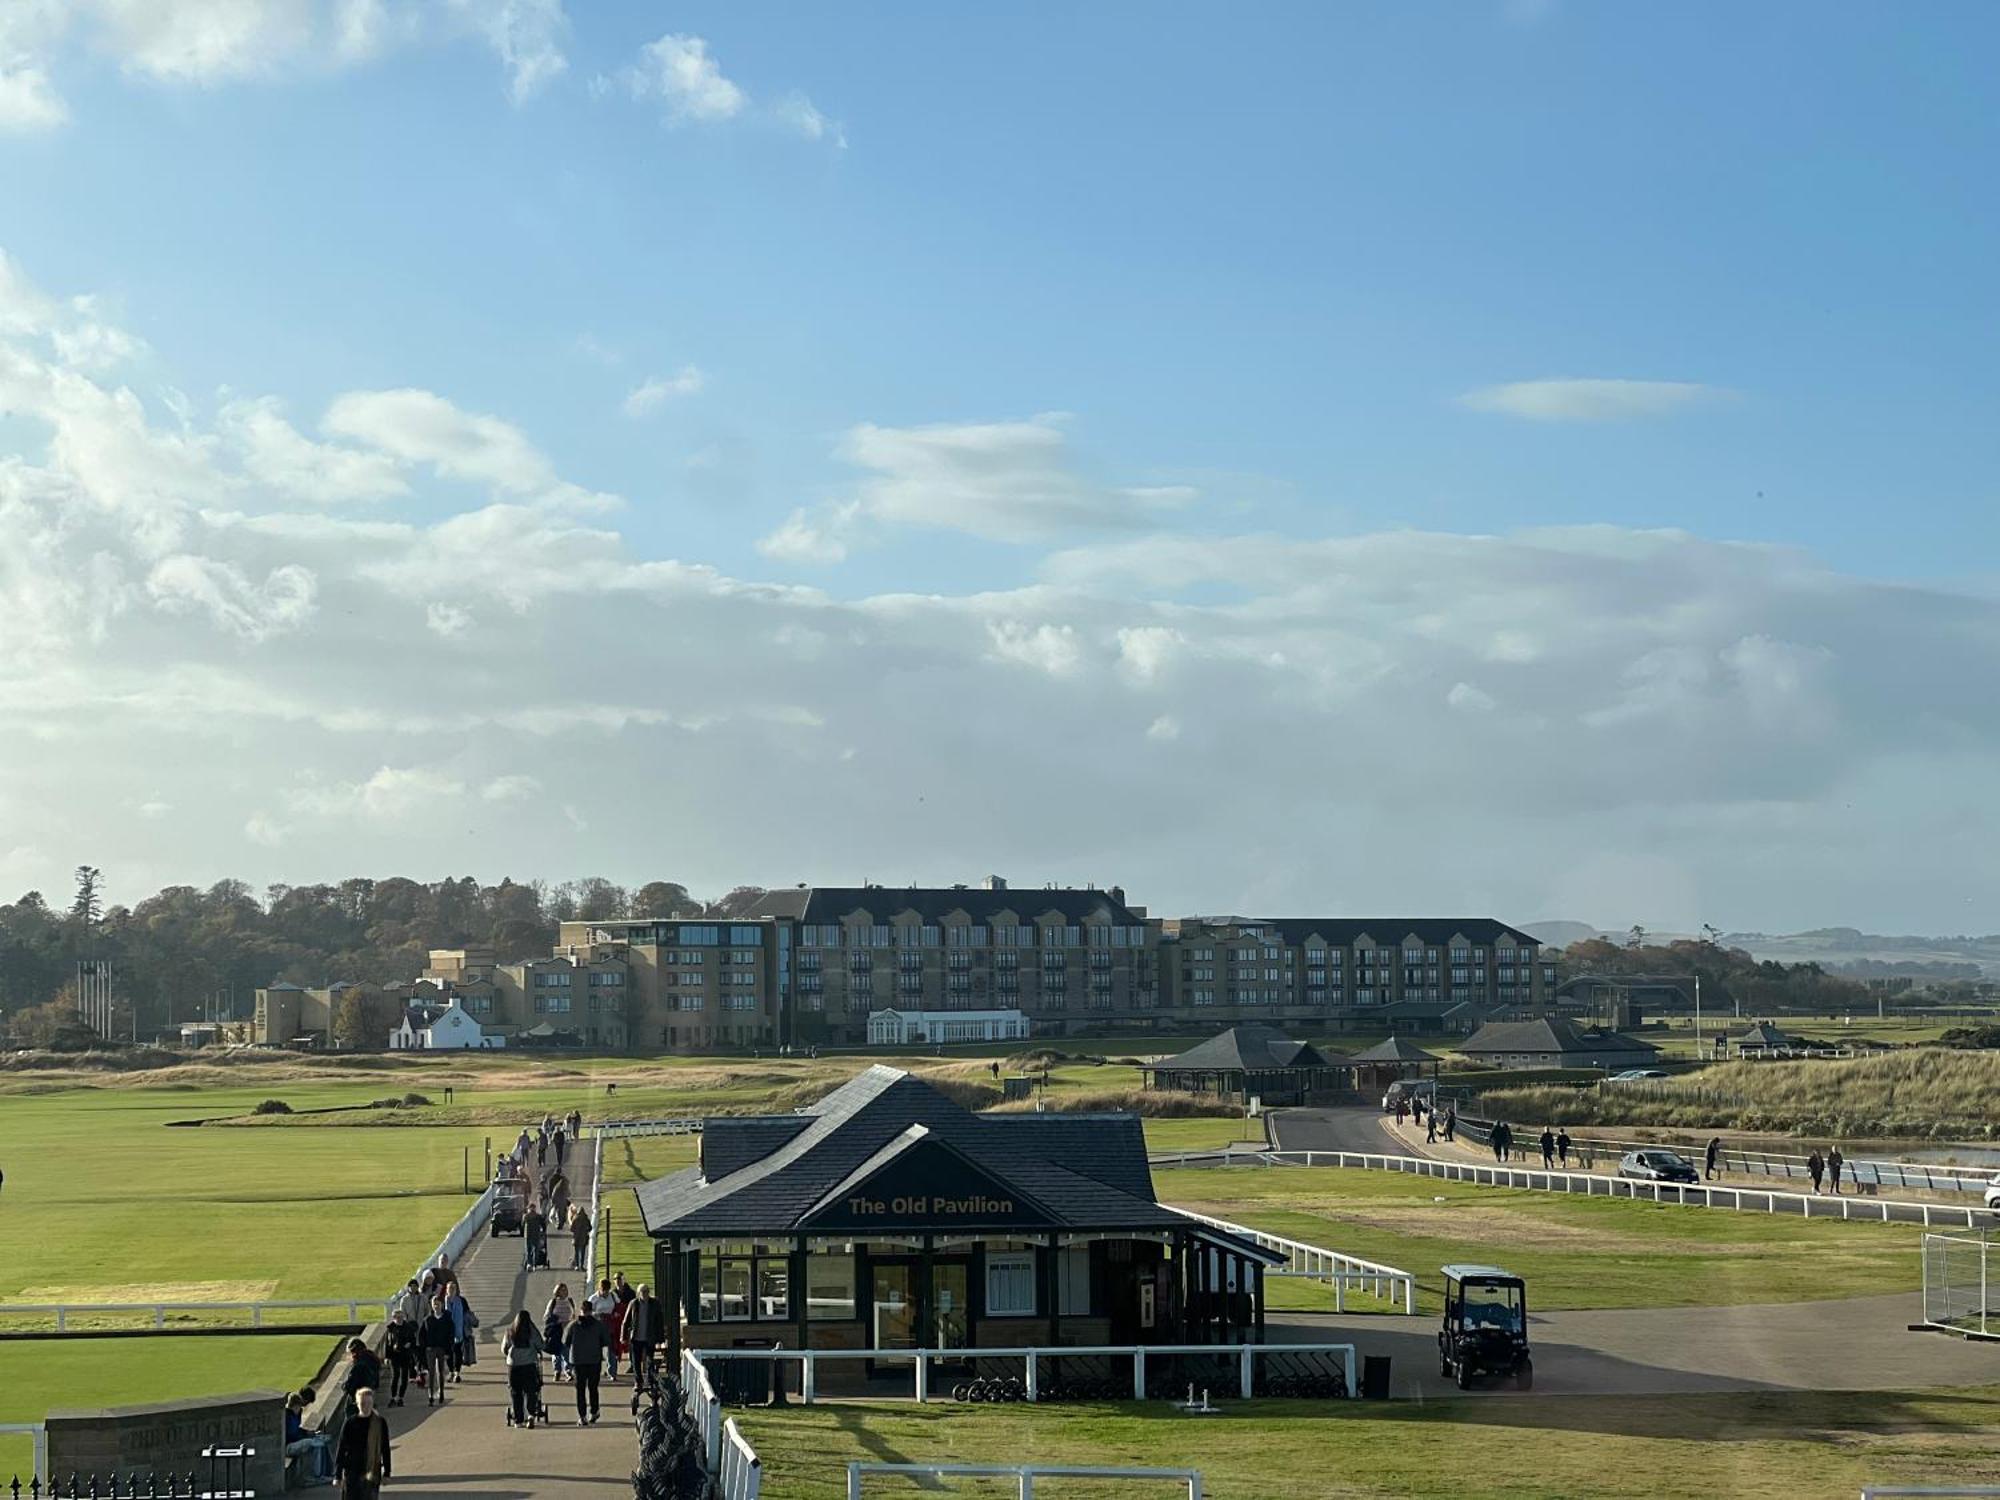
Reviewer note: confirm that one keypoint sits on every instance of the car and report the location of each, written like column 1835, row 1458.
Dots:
column 1485, row 1328
column 1408, row 1090
column 1654, row 1165
column 1633, row 1075
column 1993, row 1193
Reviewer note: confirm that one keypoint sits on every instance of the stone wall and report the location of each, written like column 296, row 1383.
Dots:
column 168, row 1436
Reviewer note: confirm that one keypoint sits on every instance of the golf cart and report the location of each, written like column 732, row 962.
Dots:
column 510, row 1207
column 1485, row 1329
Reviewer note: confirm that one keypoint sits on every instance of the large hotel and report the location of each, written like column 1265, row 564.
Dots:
column 852, row 965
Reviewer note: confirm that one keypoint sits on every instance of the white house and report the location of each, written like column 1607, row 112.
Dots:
column 440, row 1028
column 899, row 1028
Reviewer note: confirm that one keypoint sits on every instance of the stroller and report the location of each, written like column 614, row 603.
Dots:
column 537, row 1409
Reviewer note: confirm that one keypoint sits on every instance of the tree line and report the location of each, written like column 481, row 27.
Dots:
column 1762, row 986
column 185, row 953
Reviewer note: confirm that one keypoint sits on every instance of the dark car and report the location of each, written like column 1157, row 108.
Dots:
column 1485, row 1329
column 1657, row 1166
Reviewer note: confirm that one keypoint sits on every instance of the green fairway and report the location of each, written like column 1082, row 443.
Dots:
column 1574, row 1251
column 1493, row 1447
column 45, row 1374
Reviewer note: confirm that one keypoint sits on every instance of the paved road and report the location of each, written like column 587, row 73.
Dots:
column 1859, row 1344
column 465, row 1447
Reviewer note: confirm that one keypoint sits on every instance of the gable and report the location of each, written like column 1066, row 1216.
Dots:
column 927, row 1183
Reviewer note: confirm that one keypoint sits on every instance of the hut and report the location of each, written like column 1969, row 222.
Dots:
column 1252, row 1061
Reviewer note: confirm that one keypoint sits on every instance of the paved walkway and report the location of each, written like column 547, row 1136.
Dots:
column 466, row 1447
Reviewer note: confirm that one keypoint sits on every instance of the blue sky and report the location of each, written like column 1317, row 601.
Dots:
column 999, row 306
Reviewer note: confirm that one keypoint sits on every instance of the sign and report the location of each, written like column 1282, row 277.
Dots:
column 929, row 1186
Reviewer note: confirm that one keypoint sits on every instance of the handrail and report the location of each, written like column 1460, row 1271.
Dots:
column 685, row 1125
column 1300, row 1258
column 596, row 1217
column 158, row 1310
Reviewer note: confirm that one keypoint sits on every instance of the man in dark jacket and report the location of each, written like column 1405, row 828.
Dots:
column 645, row 1331
column 364, row 1370
column 1711, row 1156
column 587, row 1341
column 361, row 1457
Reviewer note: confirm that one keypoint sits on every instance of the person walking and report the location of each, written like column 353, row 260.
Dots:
column 1502, row 1138
column 604, row 1304
column 361, row 1457
column 1834, row 1162
column 1816, row 1168
column 364, row 1370
column 522, row 1348
column 1548, row 1145
column 1562, row 1148
column 645, row 1331
column 560, row 1143
column 575, row 1126
column 558, row 1199
column 542, row 1146
column 435, row 1340
column 534, row 1237
column 1711, row 1156
column 579, row 1234
column 587, row 1344
column 1431, row 1127
column 463, row 1321
column 555, row 1325
column 1451, row 1122
column 402, row 1350
column 622, row 1287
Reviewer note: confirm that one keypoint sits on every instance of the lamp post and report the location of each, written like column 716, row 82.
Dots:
column 1697, row 1015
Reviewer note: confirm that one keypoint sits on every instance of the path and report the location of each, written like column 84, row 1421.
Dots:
column 1856, row 1344
column 466, row 1447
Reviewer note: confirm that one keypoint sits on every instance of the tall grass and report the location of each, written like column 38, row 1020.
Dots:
column 1920, row 1091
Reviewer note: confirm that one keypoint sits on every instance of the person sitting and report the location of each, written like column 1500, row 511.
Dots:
column 310, row 1449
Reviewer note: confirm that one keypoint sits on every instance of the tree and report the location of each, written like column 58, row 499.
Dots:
column 664, row 898
column 1636, row 938
column 88, row 908
column 738, row 902
column 363, row 1019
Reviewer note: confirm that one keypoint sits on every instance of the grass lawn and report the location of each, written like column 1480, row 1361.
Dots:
column 1574, row 1251
column 1490, row 1447
column 44, row 1374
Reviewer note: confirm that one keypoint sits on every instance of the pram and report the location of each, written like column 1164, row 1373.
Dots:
column 537, row 1410
column 535, row 1257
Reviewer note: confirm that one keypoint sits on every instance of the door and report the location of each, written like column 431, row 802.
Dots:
column 893, row 1295
column 951, row 1304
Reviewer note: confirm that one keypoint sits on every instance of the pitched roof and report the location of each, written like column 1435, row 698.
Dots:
column 1549, row 1035
column 769, row 1174
column 1251, row 1048
column 1764, row 1034
column 1395, row 1049
column 1389, row 932
column 933, row 903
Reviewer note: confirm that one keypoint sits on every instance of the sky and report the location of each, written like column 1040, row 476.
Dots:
column 1518, row 457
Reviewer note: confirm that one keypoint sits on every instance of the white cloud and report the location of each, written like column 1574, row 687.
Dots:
column 155, row 810
column 1146, row 651
column 527, row 35
column 284, row 601
column 1468, row 699
column 1003, row 481
column 1053, row 649
column 1589, row 400
column 510, row 788
column 796, row 112
column 657, row 390
column 262, row 829
column 277, row 454
column 422, row 427
column 28, row 101
column 447, row 620
column 680, row 72
column 1164, row 730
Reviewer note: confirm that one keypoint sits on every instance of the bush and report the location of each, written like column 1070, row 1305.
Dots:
column 416, row 1101
column 271, row 1107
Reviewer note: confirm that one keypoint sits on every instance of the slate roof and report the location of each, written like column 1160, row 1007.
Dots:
column 1395, row 1049
column 1252, row 1048
column 1764, row 1034
column 1085, row 1171
column 1548, row 1035
column 824, row 903
column 1432, row 932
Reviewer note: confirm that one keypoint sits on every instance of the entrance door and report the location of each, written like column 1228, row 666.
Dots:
column 951, row 1304
column 894, row 1297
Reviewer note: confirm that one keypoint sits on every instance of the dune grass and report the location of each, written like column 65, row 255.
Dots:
column 1488, row 1447
column 1575, row 1251
column 1931, row 1092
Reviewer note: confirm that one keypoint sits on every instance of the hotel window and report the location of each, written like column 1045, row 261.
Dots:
column 1461, row 955
column 878, row 937
column 688, row 1000
column 1010, row 1284
column 700, row 936
column 932, row 937
column 747, row 937
column 552, row 1005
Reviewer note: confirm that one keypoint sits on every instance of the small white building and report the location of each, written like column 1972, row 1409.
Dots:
column 441, row 1028
column 901, row 1028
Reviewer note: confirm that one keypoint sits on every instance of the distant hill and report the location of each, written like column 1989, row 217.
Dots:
column 1873, row 954
column 1559, row 934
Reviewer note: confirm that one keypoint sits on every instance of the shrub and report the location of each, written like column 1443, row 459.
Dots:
column 271, row 1107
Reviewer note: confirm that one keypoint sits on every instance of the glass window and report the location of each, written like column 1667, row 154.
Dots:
column 774, row 1290
column 747, row 937
column 1010, row 1284
column 830, row 1286
column 1073, row 1280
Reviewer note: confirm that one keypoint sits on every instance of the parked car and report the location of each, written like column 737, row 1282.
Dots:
column 1485, row 1328
column 1993, row 1193
column 1657, row 1166
column 1632, row 1075
column 1407, row 1090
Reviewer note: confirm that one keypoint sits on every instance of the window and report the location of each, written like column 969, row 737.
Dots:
column 1010, row 1284
column 829, row 1286
column 744, row 1288
column 606, row 980
column 747, row 937
column 700, row 936
column 1073, row 1280
column 553, row 1005
column 688, row 1000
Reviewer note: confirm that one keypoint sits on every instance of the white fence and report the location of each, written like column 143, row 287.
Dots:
column 1321, row 1264
column 701, row 1391
column 1024, row 1475
column 38, row 1434
column 725, row 1453
column 596, row 1214
column 1692, row 1194
column 156, row 1312
column 690, row 1125
column 741, row 1476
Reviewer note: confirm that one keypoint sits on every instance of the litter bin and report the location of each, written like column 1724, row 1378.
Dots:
column 1375, row 1377
column 748, row 1382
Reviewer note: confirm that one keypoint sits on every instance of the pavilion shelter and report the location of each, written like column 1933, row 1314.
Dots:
column 888, row 1217
column 1251, row 1061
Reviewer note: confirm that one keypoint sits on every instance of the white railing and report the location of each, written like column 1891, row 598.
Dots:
column 705, row 1410
column 596, row 1216
column 742, row 1476
column 1692, row 1194
column 1927, row 1489
column 1025, row 1475
column 461, row 1234
column 157, row 1311
column 38, row 1434
column 1321, row 1264
column 689, row 1125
